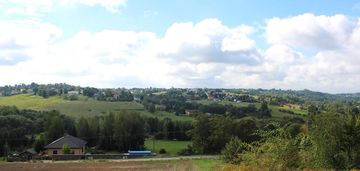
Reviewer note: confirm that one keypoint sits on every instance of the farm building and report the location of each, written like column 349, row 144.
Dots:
column 77, row 145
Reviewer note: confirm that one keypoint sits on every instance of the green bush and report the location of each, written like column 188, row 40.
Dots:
column 232, row 150
column 162, row 151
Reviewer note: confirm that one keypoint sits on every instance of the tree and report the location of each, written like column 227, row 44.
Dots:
column 264, row 110
column 336, row 138
column 232, row 150
column 66, row 149
column 83, row 130
column 40, row 143
column 151, row 108
column 55, row 130
column 200, row 134
column 313, row 110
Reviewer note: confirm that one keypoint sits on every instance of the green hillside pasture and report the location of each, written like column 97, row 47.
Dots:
column 92, row 107
column 83, row 107
column 162, row 115
column 171, row 147
column 29, row 101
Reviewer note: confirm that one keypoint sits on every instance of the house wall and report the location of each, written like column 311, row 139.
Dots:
column 59, row 151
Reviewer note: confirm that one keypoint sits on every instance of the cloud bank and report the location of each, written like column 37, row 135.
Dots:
column 305, row 51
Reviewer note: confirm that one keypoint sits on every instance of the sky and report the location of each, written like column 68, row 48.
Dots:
column 182, row 43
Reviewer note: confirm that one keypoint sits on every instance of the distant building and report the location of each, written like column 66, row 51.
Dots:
column 73, row 92
column 73, row 95
column 191, row 112
column 76, row 145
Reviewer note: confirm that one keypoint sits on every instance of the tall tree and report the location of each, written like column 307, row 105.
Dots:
column 56, row 129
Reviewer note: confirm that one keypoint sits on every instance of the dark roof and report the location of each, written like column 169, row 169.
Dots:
column 73, row 142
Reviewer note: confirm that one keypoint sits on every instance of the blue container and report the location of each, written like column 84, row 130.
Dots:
column 145, row 152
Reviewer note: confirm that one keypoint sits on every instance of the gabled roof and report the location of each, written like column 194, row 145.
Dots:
column 72, row 141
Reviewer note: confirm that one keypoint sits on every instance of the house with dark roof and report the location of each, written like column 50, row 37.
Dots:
column 77, row 145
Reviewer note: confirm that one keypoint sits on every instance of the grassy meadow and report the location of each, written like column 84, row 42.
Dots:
column 85, row 106
column 171, row 147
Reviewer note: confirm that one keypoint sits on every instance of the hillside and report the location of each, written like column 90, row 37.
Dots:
column 83, row 107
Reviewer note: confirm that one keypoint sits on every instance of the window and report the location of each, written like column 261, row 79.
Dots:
column 55, row 152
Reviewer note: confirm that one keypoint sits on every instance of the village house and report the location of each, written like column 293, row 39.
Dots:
column 77, row 145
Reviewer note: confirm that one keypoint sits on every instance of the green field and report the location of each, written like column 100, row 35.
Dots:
column 171, row 147
column 90, row 107
column 83, row 107
column 28, row 101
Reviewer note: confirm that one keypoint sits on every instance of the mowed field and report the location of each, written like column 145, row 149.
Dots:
column 171, row 147
column 83, row 107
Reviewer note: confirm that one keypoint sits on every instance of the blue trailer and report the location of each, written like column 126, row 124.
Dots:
column 139, row 153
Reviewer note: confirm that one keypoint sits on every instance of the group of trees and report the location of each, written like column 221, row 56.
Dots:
column 167, row 129
column 173, row 100
column 20, row 128
column 211, row 133
column 327, row 140
column 231, row 110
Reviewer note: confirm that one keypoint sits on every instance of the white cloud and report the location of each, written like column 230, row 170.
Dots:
column 208, row 41
column 310, row 31
column 203, row 54
column 113, row 6
column 40, row 7
column 19, row 38
column 26, row 7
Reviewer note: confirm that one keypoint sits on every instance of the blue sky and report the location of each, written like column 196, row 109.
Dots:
column 157, row 16
column 182, row 43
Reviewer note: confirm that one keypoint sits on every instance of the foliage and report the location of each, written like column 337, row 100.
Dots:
column 211, row 133
column 66, row 149
column 162, row 151
column 189, row 150
column 329, row 141
column 232, row 149
column 55, row 129
column 19, row 127
column 39, row 143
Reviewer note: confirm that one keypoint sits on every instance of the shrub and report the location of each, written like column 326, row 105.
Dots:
column 187, row 151
column 232, row 150
column 162, row 151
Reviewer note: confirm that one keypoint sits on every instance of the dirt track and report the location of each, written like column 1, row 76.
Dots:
column 99, row 166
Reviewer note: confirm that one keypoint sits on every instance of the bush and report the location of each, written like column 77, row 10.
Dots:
column 232, row 150
column 162, row 151
column 187, row 151
column 66, row 149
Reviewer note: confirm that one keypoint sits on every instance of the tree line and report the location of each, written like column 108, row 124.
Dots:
column 21, row 129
